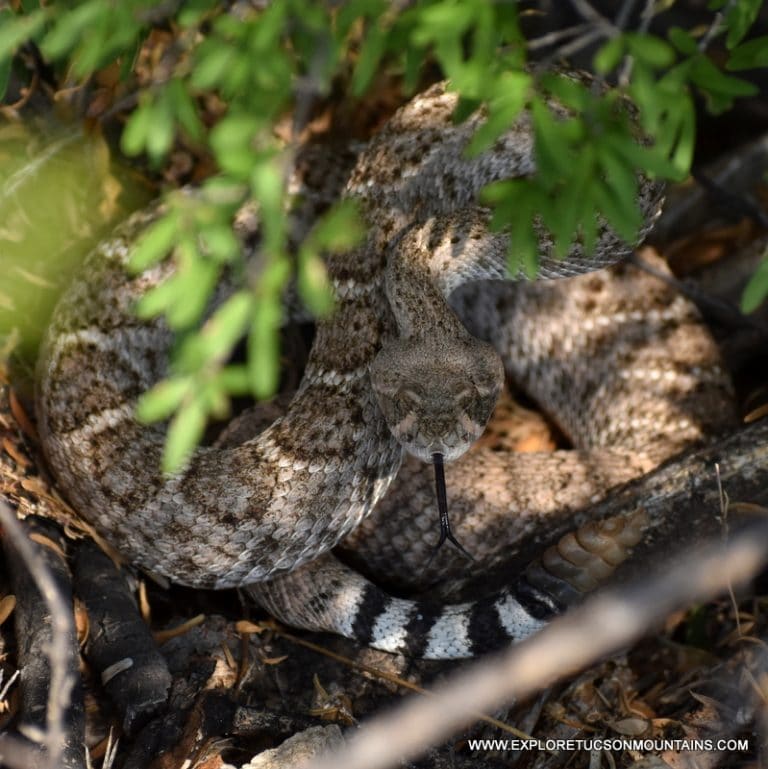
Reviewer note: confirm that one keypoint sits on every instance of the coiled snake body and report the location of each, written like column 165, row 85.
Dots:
column 265, row 511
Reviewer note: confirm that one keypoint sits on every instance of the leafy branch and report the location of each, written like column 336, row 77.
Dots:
column 232, row 72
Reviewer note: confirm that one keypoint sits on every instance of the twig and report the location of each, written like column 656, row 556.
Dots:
column 593, row 16
column 724, row 503
column 559, row 34
column 622, row 17
column 62, row 748
column 568, row 644
column 375, row 672
column 715, row 26
column 575, row 46
column 646, row 17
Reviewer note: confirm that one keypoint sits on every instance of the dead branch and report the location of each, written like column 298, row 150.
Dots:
column 52, row 715
column 603, row 625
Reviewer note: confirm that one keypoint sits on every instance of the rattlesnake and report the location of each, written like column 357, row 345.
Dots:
column 265, row 511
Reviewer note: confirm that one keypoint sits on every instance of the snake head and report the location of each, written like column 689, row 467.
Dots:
column 437, row 396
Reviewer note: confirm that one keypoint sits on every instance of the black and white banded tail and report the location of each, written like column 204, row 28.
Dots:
column 340, row 600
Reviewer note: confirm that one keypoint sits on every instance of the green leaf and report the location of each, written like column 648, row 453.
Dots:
column 515, row 203
column 267, row 186
column 263, row 347
column 621, row 212
column 572, row 204
column 274, row 277
column 550, row 151
column 193, row 284
column 227, row 325
column 155, row 243
column 352, row 11
column 609, row 55
column 162, row 130
column 14, row 30
column 757, row 288
column 314, row 286
column 651, row 50
column 156, row 301
column 719, row 88
column 412, row 65
column 511, row 95
column 5, row 76
column 136, row 131
column 683, row 41
column 218, row 241
column 212, row 64
column 682, row 157
column 184, row 433
column 567, row 91
column 372, row 50
column 183, row 108
column 749, row 55
column 193, row 12
column 163, row 399
column 232, row 142
column 234, row 379
column 442, row 21
column 72, row 27
column 740, row 17
column 619, row 175
column 646, row 159
column 339, row 229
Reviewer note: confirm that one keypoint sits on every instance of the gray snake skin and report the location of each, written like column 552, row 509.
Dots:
column 264, row 509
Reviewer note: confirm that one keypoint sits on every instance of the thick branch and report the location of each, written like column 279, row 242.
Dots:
column 52, row 706
column 603, row 625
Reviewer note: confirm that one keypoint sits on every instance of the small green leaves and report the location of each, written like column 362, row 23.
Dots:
column 232, row 141
column 14, row 30
column 155, row 242
column 339, row 230
column 757, row 288
column 609, row 55
column 251, row 64
column 263, row 350
column 152, row 126
column 749, row 55
column 184, row 433
column 683, row 41
column 163, row 399
column 370, row 57
column 740, row 16
column 719, row 89
column 506, row 101
column 649, row 49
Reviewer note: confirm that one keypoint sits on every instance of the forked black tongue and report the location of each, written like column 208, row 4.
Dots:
column 442, row 507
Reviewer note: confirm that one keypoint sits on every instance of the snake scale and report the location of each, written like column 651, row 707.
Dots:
column 621, row 364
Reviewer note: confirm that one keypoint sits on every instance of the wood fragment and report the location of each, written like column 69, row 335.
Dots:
column 120, row 645
column 7, row 605
column 20, row 415
column 161, row 636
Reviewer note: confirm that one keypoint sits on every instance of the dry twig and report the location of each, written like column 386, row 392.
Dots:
column 568, row 644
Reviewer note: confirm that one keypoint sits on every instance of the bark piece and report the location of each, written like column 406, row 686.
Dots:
column 120, row 645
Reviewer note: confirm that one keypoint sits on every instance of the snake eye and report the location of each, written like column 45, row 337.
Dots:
column 488, row 375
